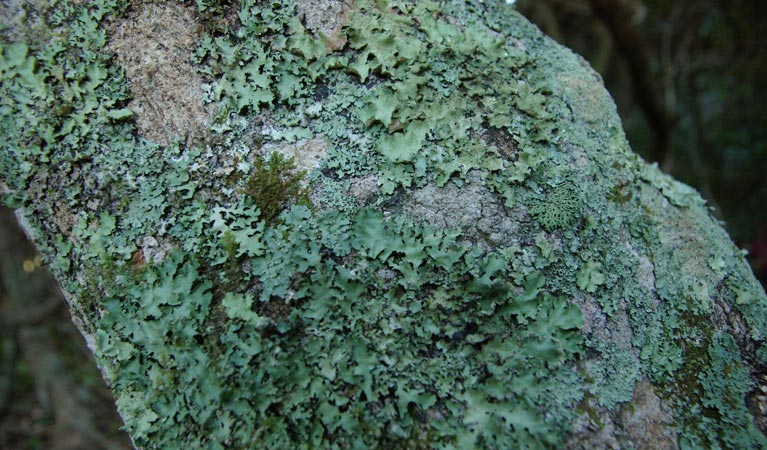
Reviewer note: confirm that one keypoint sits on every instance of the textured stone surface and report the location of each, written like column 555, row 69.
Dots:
column 153, row 44
column 480, row 262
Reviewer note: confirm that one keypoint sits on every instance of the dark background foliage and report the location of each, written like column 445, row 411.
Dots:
column 689, row 81
column 51, row 394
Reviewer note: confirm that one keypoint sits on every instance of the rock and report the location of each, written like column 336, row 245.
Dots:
column 153, row 43
column 474, row 257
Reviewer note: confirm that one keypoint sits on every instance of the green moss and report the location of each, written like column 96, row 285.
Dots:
column 719, row 387
column 275, row 185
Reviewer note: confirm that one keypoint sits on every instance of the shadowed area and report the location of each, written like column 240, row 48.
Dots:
column 51, row 394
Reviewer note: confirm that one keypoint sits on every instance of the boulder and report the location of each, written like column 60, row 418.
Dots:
column 369, row 224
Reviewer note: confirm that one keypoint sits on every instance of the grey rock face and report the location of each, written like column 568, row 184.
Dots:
column 474, row 258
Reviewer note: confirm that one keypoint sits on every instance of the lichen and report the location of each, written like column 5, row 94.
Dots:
column 559, row 209
column 478, row 261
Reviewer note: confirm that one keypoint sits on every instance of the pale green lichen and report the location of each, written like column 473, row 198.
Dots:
column 559, row 209
column 351, row 323
column 590, row 276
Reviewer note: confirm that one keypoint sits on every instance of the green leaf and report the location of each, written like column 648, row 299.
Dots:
column 360, row 66
column 525, row 305
column 13, row 55
column 564, row 316
column 288, row 85
column 380, row 108
column 370, row 235
column 367, row 362
column 136, row 412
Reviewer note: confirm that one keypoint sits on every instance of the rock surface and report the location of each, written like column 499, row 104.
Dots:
column 468, row 254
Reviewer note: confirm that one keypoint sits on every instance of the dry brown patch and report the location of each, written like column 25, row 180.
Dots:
column 154, row 44
column 24, row 21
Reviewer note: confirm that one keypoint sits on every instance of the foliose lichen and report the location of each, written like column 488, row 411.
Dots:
column 348, row 322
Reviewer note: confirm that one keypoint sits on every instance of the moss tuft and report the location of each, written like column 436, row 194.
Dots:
column 275, row 185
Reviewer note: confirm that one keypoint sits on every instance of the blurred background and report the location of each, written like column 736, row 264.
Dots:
column 690, row 82
column 51, row 394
